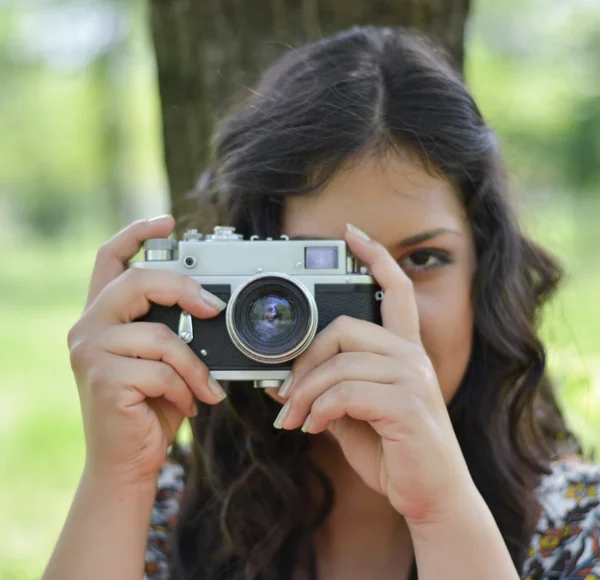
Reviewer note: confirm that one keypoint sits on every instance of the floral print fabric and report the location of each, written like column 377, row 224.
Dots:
column 166, row 506
column 564, row 546
column 566, row 543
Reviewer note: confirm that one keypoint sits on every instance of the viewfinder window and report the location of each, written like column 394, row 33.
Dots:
column 321, row 258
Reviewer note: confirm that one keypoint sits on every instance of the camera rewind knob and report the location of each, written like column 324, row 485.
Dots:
column 192, row 236
column 224, row 234
column 158, row 249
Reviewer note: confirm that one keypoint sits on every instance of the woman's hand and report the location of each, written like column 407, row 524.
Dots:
column 374, row 388
column 136, row 380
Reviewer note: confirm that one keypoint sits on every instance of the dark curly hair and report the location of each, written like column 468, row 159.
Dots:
column 246, row 512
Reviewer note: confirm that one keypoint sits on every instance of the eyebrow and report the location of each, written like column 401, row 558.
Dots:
column 406, row 242
column 425, row 236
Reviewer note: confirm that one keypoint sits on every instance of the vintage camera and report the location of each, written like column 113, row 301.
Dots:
column 279, row 294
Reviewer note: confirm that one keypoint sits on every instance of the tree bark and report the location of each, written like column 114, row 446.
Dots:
column 207, row 51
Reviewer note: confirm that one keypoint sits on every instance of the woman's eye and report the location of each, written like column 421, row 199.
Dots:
column 425, row 260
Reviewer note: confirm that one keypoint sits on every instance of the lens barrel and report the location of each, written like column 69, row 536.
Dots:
column 272, row 318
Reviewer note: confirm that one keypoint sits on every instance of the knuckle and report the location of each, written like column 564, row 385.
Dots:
column 80, row 353
column 347, row 392
column 73, row 335
column 342, row 395
column 98, row 376
column 299, row 397
column 139, row 224
column 319, row 407
column 133, row 275
column 200, row 369
column 104, row 250
column 166, row 375
column 342, row 323
column 190, row 286
column 163, row 334
column 135, row 278
column 339, row 363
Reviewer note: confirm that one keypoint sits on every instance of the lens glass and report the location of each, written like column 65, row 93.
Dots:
column 271, row 318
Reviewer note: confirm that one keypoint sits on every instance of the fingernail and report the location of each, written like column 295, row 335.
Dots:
column 212, row 300
column 306, row 425
column 286, row 386
column 216, row 388
column 278, row 423
column 194, row 409
column 357, row 232
column 159, row 218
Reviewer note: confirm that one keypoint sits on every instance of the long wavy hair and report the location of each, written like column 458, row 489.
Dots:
column 246, row 512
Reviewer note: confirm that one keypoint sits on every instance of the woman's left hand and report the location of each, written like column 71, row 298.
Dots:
column 375, row 389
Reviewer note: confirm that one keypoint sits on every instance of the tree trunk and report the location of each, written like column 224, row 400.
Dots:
column 207, row 51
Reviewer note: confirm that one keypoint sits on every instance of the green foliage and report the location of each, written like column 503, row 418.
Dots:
column 534, row 68
column 582, row 145
column 81, row 134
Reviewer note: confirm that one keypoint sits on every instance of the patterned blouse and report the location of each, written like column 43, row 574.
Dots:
column 564, row 546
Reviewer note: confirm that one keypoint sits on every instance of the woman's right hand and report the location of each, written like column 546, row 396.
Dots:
column 136, row 380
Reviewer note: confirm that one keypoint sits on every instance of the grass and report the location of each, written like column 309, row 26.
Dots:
column 43, row 296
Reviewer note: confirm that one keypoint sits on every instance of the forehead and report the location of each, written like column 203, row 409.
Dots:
column 387, row 198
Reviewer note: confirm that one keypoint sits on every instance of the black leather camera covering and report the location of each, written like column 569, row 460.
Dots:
column 333, row 300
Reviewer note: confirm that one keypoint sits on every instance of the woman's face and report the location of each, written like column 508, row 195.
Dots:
column 393, row 200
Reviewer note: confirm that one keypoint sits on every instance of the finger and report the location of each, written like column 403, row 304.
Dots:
column 375, row 403
column 358, row 437
column 353, row 433
column 342, row 367
column 131, row 380
column 346, row 334
column 156, row 341
column 131, row 295
column 168, row 415
column 113, row 255
column 274, row 393
column 399, row 310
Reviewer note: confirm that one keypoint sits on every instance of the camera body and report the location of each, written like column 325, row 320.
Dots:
column 279, row 294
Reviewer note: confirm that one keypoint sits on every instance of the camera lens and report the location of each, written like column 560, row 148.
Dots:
column 272, row 318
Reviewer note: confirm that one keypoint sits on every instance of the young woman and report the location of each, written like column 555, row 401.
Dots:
column 431, row 443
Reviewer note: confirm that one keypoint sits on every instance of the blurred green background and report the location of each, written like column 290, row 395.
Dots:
column 81, row 156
